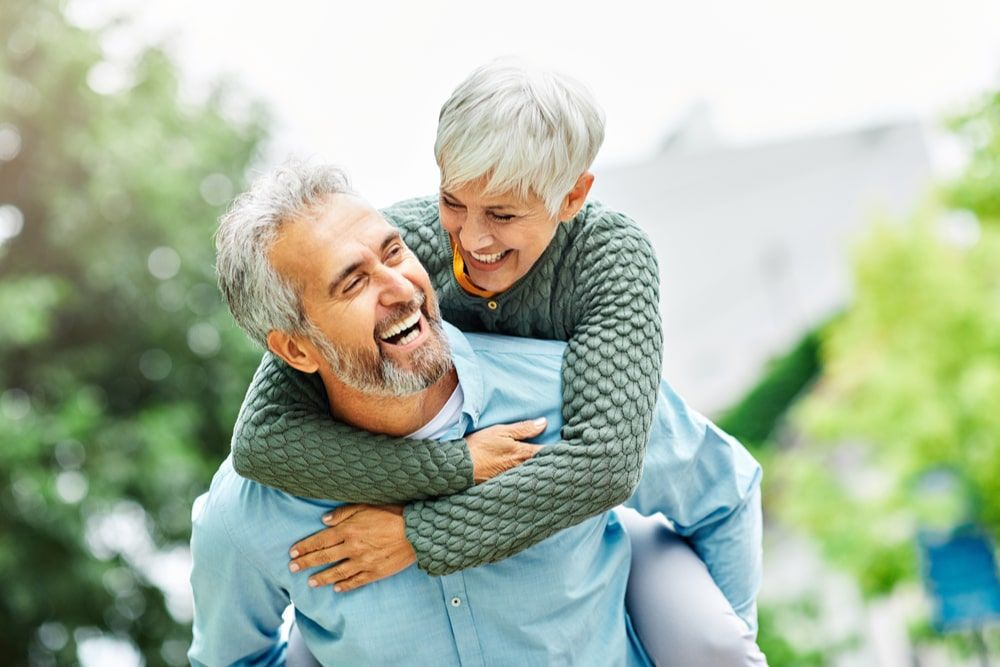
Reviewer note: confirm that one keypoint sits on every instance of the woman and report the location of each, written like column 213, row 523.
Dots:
column 512, row 246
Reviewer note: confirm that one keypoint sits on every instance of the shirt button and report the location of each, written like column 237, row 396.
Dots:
column 456, row 602
column 492, row 305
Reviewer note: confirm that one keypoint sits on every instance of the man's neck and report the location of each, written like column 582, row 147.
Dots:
column 392, row 415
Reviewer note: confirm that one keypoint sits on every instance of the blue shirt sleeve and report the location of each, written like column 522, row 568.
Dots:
column 237, row 609
column 706, row 483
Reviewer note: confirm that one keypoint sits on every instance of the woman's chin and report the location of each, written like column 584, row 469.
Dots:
column 491, row 282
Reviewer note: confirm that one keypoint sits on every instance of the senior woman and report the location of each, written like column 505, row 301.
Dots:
column 513, row 246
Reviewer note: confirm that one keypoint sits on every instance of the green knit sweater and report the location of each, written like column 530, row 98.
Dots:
column 595, row 286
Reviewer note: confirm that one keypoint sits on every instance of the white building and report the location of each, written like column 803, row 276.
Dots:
column 754, row 241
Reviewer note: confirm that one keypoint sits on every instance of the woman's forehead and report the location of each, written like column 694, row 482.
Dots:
column 479, row 192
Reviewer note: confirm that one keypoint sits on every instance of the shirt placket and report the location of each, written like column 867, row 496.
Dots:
column 456, row 601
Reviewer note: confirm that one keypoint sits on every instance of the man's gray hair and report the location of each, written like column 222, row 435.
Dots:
column 259, row 299
column 528, row 130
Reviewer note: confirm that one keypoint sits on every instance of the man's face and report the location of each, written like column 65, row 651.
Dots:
column 374, row 314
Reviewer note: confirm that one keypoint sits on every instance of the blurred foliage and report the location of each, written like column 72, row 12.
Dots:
column 754, row 419
column 904, row 423
column 772, row 628
column 978, row 189
column 121, row 372
column 796, row 633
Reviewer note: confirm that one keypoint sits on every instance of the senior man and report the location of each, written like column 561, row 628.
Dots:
column 347, row 281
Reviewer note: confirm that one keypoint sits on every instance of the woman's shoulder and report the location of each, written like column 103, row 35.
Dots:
column 415, row 213
column 600, row 231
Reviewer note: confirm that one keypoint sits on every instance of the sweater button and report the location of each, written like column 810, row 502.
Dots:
column 492, row 305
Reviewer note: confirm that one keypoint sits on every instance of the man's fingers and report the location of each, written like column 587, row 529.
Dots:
column 331, row 575
column 357, row 581
column 526, row 429
column 320, row 557
column 324, row 539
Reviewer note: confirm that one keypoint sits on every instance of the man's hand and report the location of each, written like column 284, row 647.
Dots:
column 499, row 448
column 367, row 543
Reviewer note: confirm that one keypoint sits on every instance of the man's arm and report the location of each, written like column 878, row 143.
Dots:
column 237, row 610
column 708, row 485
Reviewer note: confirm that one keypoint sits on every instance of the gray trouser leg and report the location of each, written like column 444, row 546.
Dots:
column 680, row 615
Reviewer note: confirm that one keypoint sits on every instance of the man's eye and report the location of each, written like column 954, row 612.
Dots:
column 394, row 252
column 353, row 283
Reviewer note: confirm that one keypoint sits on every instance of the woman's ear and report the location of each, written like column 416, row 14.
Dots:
column 577, row 197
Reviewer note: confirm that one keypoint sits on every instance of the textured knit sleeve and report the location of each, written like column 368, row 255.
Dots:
column 286, row 438
column 611, row 373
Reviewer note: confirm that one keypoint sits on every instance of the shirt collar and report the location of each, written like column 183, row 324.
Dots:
column 470, row 375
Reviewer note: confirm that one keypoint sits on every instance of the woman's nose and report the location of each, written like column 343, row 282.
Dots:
column 475, row 234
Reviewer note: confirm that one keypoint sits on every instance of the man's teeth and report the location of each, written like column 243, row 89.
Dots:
column 409, row 338
column 402, row 326
column 488, row 259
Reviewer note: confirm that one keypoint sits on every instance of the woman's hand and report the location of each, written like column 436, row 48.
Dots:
column 366, row 543
column 499, row 448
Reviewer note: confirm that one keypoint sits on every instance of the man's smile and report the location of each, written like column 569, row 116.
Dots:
column 406, row 333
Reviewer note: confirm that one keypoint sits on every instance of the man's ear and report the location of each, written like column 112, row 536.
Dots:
column 577, row 197
column 299, row 355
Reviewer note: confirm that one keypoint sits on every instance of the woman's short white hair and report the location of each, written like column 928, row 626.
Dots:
column 259, row 299
column 527, row 130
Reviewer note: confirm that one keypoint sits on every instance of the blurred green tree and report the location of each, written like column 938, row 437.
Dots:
column 904, row 423
column 120, row 370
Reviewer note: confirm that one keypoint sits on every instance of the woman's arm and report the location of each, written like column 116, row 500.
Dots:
column 285, row 438
column 611, row 372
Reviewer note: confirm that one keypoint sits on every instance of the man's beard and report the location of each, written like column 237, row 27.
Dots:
column 371, row 372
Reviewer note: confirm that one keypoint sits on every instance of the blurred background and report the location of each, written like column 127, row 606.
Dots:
column 821, row 182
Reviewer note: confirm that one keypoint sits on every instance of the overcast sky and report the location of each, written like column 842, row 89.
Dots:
column 361, row 83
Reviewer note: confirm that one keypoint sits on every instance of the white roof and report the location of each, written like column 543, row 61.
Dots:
column 754, row 241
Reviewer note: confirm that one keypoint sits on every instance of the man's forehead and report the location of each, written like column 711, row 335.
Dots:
column 338, row 232
column 351, row 216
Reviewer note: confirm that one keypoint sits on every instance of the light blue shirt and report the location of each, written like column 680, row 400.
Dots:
column 558, row 602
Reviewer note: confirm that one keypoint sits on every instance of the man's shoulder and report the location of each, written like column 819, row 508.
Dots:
column 486, row 344
column 222, row 499
column 507, row 367
column 515, row 357
column 235, row 509
column 210, row 525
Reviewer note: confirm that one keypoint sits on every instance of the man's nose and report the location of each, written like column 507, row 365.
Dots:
column 475, row 233
column 396, row 287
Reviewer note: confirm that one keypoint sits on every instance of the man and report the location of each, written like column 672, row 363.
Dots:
column 335, row 292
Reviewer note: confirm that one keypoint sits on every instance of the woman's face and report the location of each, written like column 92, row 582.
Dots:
column 500, row 237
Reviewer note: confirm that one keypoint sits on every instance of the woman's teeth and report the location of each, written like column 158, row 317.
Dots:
column 488, row 259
